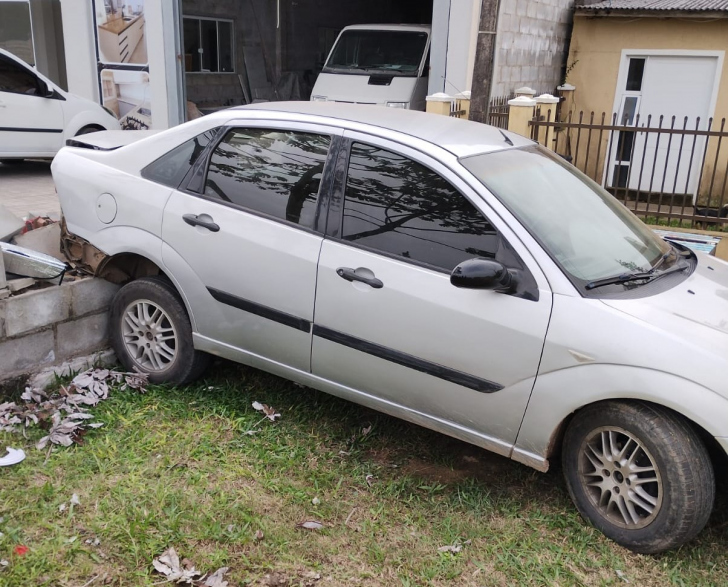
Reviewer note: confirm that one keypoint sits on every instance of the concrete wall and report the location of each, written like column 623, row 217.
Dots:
column 596, row 50
column 46, row 327
column 533, row 37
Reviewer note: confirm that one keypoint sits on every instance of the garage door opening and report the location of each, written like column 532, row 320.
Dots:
column 238, row 52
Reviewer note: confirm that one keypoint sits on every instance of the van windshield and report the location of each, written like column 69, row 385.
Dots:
column 584, row 228
column 387, row 51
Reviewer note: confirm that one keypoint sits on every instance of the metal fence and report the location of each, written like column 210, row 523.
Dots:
column 498, row 113
column 673, row 171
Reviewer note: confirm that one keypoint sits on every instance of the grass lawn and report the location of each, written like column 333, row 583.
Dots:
column 174, row 467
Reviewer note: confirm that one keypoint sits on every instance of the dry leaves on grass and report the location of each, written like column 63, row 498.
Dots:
column 64, row 413
column 185, row 573
column 269, row 412
column 310, row 525
column 453, row 548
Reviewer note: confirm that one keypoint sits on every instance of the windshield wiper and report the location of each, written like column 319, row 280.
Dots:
column 636, row 276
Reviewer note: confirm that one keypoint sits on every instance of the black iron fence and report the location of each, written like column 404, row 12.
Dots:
column 671, row 170
column 498, row 113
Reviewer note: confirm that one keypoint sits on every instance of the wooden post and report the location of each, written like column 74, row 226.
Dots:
column 439, row 103
column 484, row 58
column 520, row 113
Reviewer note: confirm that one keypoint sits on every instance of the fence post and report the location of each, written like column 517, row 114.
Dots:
column 566, row 92
column 525, row 91
column 439, row 103
column 462, row 103
column 520, row 113
column 547, row 132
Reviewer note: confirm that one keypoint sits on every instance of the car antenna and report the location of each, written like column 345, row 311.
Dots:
column 505, row 136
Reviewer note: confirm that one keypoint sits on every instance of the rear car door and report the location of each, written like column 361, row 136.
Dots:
column 246, row 230
column 390, row 325
column 29, row 123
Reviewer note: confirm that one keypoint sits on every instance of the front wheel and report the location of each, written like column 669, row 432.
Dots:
column 151, row 332
column 639, row 473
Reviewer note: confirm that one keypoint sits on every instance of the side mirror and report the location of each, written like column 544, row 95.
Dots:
column 43, row 90
column 483, row 274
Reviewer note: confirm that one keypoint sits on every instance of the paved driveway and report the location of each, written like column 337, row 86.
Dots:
column 28, row 187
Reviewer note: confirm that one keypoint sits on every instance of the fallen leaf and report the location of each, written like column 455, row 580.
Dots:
column 62, row 507
column 216, row 579
column 269, row 412
column 168, row 564
column 259, row 535
column 315, row 501
column 230, row 527
column 4, row 563
column 75, row 500
column 275, row 580
column 310, row 525
column 370, row 480
column 452, row 548
column 622, row 576
column 365, row 431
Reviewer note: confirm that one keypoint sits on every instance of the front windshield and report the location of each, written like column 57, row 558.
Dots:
column 588, row 232
column 388, row 51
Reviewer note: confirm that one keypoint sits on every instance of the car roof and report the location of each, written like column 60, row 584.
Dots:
column 460, row 137
column 389, row 27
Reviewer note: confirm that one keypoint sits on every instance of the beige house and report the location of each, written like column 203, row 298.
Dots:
column 646, row 59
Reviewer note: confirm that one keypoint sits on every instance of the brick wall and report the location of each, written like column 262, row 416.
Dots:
column 532, row 43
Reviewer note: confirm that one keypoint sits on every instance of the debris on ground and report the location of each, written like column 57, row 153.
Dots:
column 454, row 548
column 269, row 412
column 14, row 456
column 44, row 238
column 184, row 572
column 310, row 525
column 10, row 224
column 63, row 413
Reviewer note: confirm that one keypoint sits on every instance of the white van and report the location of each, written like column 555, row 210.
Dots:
column 379, row 64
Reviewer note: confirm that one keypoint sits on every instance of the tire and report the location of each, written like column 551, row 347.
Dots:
column 164, row 350
column 679, row 500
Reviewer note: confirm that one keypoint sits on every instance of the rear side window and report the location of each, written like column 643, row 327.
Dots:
column 397, row 206
column 170, row 169
column 273, row 172
column 16, row 79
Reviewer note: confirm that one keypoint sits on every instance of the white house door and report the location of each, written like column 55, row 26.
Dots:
column 667, row 86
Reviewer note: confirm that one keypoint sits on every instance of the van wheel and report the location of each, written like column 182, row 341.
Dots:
column 151, row 332
column 639, row 473
column 88, row 130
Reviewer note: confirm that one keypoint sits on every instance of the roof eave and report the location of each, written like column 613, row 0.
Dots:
column 650, row 13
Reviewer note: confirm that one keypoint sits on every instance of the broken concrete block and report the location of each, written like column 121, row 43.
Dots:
column 15, row 285
column 46, row 239
column 10, row 224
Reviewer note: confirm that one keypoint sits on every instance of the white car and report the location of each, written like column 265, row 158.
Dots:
column 443, row 271
column 37, row 117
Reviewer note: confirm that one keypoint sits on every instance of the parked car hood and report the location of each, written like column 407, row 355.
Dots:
column 343, row 87
column 695, row 315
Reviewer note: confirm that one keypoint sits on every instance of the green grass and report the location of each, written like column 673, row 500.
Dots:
column 682, row 223
column 173, row 467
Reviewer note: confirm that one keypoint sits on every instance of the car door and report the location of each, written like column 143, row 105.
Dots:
column 390, row 325
column 30, row 124
column 247, row 232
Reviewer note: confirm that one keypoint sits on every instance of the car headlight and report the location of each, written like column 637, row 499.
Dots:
column 318, row 98
column 402, row 105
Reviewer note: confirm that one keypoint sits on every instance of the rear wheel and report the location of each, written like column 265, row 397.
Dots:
column 151, row 332
column 640, row 474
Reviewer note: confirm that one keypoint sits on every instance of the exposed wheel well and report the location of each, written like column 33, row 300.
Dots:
column 89, row 128
column 717, row 455
column 125, row 267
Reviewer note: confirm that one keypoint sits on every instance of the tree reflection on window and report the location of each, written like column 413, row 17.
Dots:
column 397, row 206
column 274, row 172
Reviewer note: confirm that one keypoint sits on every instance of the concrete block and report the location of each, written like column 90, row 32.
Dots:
column 10, row 224
column 36, row 309
column 48, row 376
column 26, row 353
column 91, row 295
column 82, row 335
column 46, row 239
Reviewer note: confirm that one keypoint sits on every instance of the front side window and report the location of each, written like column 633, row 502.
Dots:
column 387, row 51
column 397, row 206
column 585, row 229
column 170, row 169
column 208, row 45
column 273, row 172
column 16, row 79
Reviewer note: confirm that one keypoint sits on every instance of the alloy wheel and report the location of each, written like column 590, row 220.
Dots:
column 149, row 336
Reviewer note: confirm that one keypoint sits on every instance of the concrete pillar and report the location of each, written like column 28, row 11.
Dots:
column 462, row 104
column 545, row 104
column 567, row 93
column 439, row 103
column 525, row 91
column 520, row 113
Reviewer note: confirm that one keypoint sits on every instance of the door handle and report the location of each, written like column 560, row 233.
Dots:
column 351, row 275
column 194, row 220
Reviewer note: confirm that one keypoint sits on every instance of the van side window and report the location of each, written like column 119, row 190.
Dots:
column 15, row 79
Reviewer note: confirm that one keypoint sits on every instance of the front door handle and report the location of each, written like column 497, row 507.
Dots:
column 194, row 220
column 351, row 275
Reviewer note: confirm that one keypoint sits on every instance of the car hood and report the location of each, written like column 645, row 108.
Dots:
column 342, row 87
column 694, row 315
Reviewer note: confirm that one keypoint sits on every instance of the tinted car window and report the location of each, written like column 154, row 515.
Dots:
column 397, row 206
column 275, row 172
column 170, row 169
column 16, row 79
